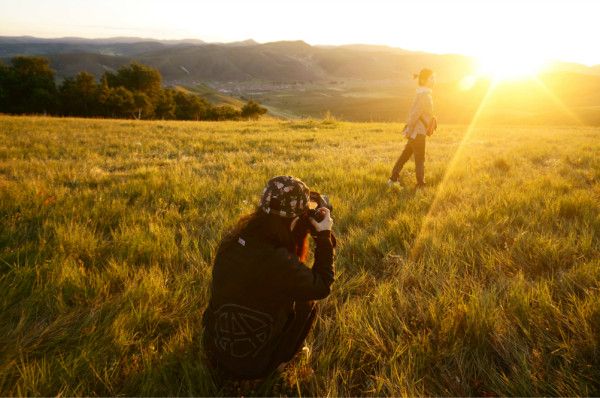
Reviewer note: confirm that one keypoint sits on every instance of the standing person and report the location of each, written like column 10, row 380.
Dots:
column 262, row 294
column 421, row 123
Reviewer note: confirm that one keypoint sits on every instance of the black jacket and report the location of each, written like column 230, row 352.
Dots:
column 254, row 287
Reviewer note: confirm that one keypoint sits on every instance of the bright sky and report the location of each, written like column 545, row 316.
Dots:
column 519, row 29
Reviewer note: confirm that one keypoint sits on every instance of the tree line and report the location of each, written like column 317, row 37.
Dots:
column 27, row 86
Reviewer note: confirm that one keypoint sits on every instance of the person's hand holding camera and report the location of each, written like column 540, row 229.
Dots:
column 326, row 223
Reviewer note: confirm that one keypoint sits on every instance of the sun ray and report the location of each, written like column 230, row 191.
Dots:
column 558, row 102
column 417, row 247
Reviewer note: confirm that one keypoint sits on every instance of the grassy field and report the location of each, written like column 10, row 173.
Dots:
column 549, row 99
column 485, row 283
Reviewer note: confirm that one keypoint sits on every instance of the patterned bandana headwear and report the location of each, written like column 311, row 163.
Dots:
column 285, row 196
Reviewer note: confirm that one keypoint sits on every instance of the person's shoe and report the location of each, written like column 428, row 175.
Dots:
column 306, row 352
column 421, row 185
column 391, row 183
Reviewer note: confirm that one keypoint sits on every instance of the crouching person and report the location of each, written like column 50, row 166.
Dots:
column 262, row 303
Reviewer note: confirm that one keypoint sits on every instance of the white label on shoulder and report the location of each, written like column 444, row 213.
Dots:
column 241, row 241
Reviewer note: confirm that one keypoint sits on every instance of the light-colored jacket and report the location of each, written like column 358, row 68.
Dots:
column 421, row 111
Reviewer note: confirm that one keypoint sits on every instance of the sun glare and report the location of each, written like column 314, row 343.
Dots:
column 500, row 66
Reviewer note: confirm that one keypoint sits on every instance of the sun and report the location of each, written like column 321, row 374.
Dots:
column 509, row 66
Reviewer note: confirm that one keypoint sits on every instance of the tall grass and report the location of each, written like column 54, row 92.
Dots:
column 108, row 230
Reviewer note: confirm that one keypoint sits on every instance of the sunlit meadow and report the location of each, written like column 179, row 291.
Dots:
column 487, row 282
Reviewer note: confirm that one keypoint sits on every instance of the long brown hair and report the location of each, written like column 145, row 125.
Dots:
column 273, row 229
column 423, row 76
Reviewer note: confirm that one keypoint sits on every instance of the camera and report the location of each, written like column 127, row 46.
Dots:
column 317, row 201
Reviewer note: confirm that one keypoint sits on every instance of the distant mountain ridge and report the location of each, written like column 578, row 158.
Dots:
column 195, row 61
column 192, row 61
column 354, row 82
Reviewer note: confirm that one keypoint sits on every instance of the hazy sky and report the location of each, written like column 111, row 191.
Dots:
column 555, row 29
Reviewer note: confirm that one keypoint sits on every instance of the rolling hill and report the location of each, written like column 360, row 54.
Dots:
column 353, row 82
column 196, row 61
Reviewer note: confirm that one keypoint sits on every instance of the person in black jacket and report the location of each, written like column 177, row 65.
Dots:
column 262, row 294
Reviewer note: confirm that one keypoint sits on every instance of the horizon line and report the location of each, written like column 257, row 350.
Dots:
column 553, row 60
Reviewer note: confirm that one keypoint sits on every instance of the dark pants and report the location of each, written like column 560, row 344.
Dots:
column 416, row 146
column 287, row 346
column 295, row 333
